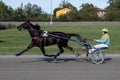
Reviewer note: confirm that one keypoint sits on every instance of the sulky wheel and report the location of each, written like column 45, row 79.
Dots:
column 98, row 57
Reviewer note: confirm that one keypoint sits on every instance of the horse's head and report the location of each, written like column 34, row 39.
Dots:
column 29, row 26
column 24, row 25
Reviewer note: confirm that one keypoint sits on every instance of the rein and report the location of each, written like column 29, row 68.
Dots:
column 61, row 37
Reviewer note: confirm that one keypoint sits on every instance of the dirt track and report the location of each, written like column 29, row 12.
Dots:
column 66, row 68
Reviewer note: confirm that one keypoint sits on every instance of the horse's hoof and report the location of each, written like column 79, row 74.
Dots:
column 55, row 58
column 17, row 54
column 77, row 55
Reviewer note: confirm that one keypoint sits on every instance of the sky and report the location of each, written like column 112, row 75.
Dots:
column 46, row 4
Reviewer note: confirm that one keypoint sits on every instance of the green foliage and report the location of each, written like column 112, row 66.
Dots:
column 5, row 11
column 22, row 13
column 113, row 11
column 88, row 12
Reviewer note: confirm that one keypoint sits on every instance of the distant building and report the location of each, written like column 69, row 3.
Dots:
column 101, row 13
column 62, row 12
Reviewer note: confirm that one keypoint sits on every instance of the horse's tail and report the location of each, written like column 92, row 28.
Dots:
column 77, row 36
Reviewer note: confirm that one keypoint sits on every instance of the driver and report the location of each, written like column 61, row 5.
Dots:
column 104, row 41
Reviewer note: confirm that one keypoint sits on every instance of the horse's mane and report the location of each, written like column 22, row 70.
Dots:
column 36, row 27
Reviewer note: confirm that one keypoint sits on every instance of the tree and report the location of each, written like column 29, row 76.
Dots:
column 36, row 11
column 6, row 12
column 88, row 12
column 114, row 4
column 28, row 11
column 32, row 11
column 19, row 15
column 63, row 4
column 113, row 10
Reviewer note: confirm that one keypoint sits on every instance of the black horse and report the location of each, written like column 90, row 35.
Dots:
column 41, row 42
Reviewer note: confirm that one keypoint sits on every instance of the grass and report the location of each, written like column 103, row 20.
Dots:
column 15, row 41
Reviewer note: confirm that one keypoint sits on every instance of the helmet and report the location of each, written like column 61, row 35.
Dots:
column 105, row 30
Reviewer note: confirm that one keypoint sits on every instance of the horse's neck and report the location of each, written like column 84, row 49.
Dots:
column 33, row 33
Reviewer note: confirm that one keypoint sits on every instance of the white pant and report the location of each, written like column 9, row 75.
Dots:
column 45, row 34
column 98, row 46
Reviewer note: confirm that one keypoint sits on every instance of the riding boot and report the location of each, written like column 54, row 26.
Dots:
column 91, row 50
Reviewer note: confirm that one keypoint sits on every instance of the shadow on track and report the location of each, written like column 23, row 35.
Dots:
column 51, row 60
column 107, row 59
column 61, row 60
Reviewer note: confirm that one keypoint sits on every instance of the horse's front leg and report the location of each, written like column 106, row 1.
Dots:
column 26, row 49
column 44, row 53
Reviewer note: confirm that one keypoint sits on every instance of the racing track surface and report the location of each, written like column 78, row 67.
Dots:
column 67, row 67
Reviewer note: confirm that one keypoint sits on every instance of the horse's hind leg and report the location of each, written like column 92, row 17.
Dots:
column 60, row 52
column 71, row 49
